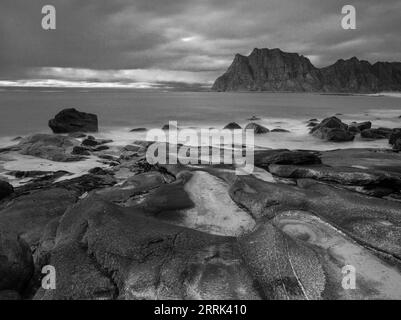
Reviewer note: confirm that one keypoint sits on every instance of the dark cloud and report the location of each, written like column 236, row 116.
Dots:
column 187, row 36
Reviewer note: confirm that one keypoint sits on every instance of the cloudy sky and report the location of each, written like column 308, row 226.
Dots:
column 168, row 43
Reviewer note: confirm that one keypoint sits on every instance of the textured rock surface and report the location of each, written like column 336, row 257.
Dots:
column 129, row 256
column 333, row 129
column 257, row 128
column 16, row 265
column 5, row 189
column 72, row 120
column 275, row 70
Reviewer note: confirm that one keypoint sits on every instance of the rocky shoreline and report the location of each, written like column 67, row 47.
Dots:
column 120, row 228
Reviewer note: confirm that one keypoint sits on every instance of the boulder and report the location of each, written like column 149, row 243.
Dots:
column 138, row 130
column 341, row 175
column 361, row 125
column 28, row 214
column 280, row 130
column 5, row 189
column 50, row 147
column 103, row 251
column 79, row 150
column 395, row 139
column 265, row 158
column 77, row 135
column 333, row 129
column 257, row 128
column 232, row 126
column 380, row 133
column 9, row 295
column 72, row 120
column 16, row 267
column 90, row 143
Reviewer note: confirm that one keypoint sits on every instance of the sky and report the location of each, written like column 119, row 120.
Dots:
column 166, row 44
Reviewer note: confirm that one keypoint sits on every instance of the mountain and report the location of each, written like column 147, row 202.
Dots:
column 275, row 70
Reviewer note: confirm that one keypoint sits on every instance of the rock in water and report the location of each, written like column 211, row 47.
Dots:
column 333, row 129
column 48, row 146
column 380, row 133
column 395, row 139
column 269, row 70
column 232, row 126
column 5, row 189
column 71, row 120
column 257, row 128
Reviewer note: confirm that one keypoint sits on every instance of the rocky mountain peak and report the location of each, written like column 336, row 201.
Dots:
column 275, row 70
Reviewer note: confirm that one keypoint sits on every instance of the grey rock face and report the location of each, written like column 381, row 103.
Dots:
column 275, row 70
column 72, row 120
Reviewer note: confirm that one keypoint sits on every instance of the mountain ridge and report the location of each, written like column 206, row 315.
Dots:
column 275, row 70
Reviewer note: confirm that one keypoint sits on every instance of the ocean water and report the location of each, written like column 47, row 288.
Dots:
column 24, row 112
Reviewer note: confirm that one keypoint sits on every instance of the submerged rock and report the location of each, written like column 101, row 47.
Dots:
column 332, row 129
column 232, row 126
column 71, row 120
column 16, row 267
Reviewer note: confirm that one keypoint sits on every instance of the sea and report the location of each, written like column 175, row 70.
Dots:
column 27, row 111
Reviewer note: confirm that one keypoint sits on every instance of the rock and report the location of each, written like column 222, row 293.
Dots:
column 332, row 129
column 105, row 252
column 9, row 295
column 275, row 70
column 361, row 126
column 99, row 171
column 16, row 267
column 269, row 70
column 257, row 128
column 169, row 127
column 90, row 143
column 79, row 150
column 279, row 130
column 77, row 135
column 232, row 126
column 138, row 130
column 313, row 120
column 5, row 189
column 265, row 158
column 41, row 256
column 380, row 133
column 71, row 120
column 253, row 118
column 370, row 221
column 341, row 175
column 46, row 146
column 395, row 139
column 312, row 124
column 101, row 148
column 28, row 214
